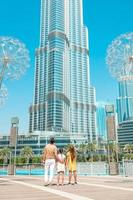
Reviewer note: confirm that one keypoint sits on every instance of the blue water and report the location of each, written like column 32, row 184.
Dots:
column 36, row 172
column 24, row 172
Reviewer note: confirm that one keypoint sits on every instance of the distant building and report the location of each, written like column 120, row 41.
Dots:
column 111, row 123
column 125, row 132
column 125, row 101
column 14, row 131
column 101, row 121
column 125, row 111
column 38, row 140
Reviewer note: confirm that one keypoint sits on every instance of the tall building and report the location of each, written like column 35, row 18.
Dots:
column 101, row 121
column 125, row 111
column 63, row 98
column 125, row 132
column 125, row 100
column 111, row 123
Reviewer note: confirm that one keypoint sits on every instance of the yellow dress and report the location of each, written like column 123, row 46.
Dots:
column 71, row 163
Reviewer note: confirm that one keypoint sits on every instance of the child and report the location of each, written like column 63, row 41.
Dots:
column 71, row 163
column 60, row 167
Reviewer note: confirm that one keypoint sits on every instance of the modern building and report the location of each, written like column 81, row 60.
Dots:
column 125, row 100
column 111, row 123
column 101, row 121
column 125, row 111
column 125, row 132
column 64, row 100
column 37, row 141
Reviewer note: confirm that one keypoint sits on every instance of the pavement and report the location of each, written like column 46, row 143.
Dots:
column 88, row 188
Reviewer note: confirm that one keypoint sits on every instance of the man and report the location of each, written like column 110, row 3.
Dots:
column 49, row 158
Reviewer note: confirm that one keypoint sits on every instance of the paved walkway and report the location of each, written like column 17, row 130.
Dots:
column 88, row 188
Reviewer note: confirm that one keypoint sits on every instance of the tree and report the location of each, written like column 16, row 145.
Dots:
column 113, row 151
column 92, row 147
column 128, row 148
column 5, row 154
column 27, row 153
column 82, row 152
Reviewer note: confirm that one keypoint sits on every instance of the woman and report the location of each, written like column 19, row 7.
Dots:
column 71, row 163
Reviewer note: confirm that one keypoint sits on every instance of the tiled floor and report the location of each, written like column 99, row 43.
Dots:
column 88, row 188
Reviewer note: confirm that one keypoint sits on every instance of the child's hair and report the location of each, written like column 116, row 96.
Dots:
column 72, row 152
column 52, row 140
column 60, row 151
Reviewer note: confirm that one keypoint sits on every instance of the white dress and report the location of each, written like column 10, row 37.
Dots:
column 61, row 166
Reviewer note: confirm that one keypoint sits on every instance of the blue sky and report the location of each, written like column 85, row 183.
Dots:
column 105, row 19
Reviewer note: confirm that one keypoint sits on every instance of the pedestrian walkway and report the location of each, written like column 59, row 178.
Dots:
column 88, row 188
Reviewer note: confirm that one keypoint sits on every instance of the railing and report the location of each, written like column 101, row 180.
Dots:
column 127, row 167
column 124, row 168
column 92, row 168
column 3, row 170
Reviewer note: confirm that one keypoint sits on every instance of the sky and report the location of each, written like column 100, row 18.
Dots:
column 105, row 19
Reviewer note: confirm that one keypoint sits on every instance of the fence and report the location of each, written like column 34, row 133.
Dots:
column 124, row 168
column 127, row 167
column 92, row 168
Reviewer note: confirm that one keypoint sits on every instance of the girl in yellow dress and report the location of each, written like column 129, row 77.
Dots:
column 71, row 163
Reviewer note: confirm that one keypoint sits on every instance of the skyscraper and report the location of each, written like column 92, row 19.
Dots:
column 101, row 121
column 125, row 111
column 63, row 97
column 125, row 100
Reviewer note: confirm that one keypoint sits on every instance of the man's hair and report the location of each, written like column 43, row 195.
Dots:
column 52, row 140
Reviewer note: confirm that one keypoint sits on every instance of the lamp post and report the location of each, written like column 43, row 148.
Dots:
column 13, row 138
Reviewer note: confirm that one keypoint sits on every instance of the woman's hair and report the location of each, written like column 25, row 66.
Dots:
column 52, row 140
column 72, row 152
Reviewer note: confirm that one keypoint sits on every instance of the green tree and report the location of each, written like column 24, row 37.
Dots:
column 82, row 152
column 128, row 151
column 5, row 154
column 128, row 148
column 92, row 148
column 27, row 153
column 113, row 151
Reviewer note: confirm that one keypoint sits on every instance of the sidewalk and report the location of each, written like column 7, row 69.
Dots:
column 88, row 188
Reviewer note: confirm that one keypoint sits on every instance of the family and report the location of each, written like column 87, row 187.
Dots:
column 53, row 157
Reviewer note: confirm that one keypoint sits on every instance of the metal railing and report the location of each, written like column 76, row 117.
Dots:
column 123, row 168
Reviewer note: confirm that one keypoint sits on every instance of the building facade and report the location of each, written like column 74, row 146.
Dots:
column 125, row 100
column 101, row 121
column 63, row 98
column 125, row 111
column 125, row 132
column 111, row 123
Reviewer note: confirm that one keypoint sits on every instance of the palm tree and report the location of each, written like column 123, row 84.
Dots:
column 5, row 154
column 113, row 150
column 128, row 148
column 92, row 147
column 27, row 153
column 82, row 150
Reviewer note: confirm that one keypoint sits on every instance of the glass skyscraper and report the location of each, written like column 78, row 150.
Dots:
column 64, row 101
column 125, row 100
column 101, row 121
